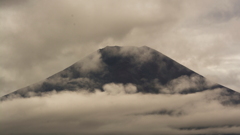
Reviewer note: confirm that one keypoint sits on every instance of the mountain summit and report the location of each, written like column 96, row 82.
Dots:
column 142, row 69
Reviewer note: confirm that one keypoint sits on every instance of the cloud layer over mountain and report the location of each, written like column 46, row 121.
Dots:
column 136, row 69
column 40, row 38
column 119, row 113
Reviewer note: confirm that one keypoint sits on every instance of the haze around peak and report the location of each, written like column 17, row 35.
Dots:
column 40, row 38
column 134, row 69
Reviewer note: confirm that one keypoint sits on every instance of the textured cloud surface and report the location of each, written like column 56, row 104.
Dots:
column 119, row 113
column 40, row 38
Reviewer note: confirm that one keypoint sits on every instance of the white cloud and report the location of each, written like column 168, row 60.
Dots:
column 113, row 88
column 130, row 88
column 185, row 82
column 92, row 62
column 101, row 113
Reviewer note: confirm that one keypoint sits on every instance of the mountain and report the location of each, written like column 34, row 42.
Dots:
column 148, row 70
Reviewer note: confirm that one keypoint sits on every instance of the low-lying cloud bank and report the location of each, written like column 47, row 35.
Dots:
column 119, row 113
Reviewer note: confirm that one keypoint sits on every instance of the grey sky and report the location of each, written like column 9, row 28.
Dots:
column 40, row 38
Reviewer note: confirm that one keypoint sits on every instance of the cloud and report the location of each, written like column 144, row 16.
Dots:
column 91, row 63
column 141, row 54
column 138, row 55
column 40, row 38
column 101, row 113
column 43, row 42
column 184, row 83
column 113, row 89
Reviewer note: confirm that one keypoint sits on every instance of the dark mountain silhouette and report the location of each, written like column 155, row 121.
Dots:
column 149, row 70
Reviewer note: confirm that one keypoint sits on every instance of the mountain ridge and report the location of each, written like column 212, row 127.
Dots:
column 147, row 69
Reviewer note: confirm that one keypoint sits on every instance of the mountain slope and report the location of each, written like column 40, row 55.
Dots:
column 146, row 69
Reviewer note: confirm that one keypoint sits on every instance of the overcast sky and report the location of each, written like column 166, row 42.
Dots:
column 40, row 38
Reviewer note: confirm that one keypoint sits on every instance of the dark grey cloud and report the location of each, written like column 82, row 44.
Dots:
column 40, row 38
column 11, row 3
